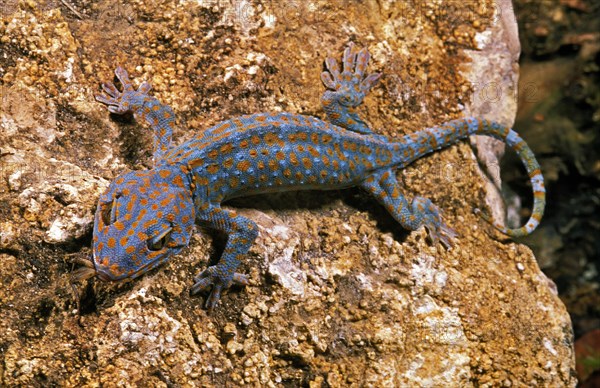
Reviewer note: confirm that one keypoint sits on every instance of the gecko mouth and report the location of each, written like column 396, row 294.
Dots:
column 87, row 271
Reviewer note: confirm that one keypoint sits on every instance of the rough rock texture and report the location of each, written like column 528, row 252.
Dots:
column 340, row 296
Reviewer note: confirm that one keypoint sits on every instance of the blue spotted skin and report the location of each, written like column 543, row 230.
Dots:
column 145, row 217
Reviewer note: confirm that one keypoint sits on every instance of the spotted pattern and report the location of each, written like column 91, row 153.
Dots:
column 145, row 217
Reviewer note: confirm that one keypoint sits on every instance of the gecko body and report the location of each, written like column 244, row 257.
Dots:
column 145, row 217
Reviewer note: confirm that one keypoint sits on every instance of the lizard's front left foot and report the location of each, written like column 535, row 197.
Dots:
column 120, row 102
column 219, row 280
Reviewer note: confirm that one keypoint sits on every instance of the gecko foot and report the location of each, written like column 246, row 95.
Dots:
column 433, row 221
column 442, row 233
column 117, row 101
column 351, row 85
column 212, row 277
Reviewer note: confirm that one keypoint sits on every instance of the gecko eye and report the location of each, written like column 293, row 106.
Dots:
column 157, row 243
column 109, row 211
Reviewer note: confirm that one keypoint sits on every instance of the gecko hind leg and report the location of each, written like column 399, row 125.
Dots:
column 419, row 212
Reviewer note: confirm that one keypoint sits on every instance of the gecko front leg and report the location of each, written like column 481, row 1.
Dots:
column 241, row 233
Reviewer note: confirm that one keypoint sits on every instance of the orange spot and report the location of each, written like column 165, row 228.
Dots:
column 195, row 163
column 287, row 173
column 253, row 153
column 164, row 173
column 155, row 108
column 307, row 162
column 261, row 165
column 213, row 168
column 294, row 159
column 313, row 151
column 255, row 140
column 270, row 138
column 111, row 242
column 262, row 178
column 178, row 181
column 534, row 172
column 243, row 166
column 119, row 225
column 226, row 148
column 149, row 223
column 221, row 128
column 213, row 154
column 323, row 174
column 280, row 155
column 272, row 164
column 234, row 182
column 115, row 269
column 123, row 241
column 228, row 163
column 314, row 137
column 244, row 143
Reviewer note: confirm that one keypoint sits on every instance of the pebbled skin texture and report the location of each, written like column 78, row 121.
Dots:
column 145, row 217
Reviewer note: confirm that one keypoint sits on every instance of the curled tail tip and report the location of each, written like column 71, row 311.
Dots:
column 523, row 231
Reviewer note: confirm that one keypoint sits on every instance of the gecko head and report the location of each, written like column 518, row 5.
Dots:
column 142, row 219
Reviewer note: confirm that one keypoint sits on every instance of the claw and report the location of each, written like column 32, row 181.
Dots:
column 370, row 81
column 442, row 234
column 123, row 77
column 211, row 278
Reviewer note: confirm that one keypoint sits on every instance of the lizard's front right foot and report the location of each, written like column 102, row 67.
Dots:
column 431, row 218
column 350, row 86
column 120, row 102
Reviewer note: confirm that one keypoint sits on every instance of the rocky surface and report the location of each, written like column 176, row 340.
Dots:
column 340, row 296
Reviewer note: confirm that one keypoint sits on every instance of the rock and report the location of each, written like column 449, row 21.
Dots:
column 339, row 294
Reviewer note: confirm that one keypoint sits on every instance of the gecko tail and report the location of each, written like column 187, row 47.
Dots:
column 514, row 141
column 415, row 145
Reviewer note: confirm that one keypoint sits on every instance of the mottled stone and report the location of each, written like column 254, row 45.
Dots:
column 339, row 295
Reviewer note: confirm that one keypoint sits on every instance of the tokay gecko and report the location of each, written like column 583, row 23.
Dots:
column 145, row 217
